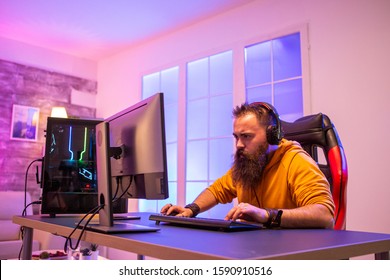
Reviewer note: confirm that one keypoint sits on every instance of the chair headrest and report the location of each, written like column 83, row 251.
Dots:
column 309, row 130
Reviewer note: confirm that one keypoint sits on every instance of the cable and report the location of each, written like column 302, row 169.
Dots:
column 24, row 213
column 118, row 184
column 93, row 212
column 127, row 188
column 25, row 180
column 25, row 200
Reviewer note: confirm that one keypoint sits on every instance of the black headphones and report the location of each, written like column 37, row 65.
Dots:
column 274, row 132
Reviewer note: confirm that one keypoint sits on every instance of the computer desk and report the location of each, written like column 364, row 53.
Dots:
column 172, row 242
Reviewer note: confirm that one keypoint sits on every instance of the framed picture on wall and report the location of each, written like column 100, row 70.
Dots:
column 24, row 124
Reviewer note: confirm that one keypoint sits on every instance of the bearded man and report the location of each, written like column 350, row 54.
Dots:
column 274, row 180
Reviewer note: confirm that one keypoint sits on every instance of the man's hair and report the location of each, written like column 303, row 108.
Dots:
column 262, row 115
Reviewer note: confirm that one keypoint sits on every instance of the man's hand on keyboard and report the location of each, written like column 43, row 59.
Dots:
column 247, row 212
column 175, row 210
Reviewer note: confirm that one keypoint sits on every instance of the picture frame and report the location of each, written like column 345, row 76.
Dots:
column 24, row 124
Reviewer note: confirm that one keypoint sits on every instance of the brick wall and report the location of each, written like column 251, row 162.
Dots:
column 30, row 86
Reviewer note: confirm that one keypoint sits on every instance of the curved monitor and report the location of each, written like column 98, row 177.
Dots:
column 131, row 157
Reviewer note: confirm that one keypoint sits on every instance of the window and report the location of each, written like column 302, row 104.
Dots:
column 209, row 142
column 273, row 74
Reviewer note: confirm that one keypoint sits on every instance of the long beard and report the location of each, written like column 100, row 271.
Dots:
column 248, row 169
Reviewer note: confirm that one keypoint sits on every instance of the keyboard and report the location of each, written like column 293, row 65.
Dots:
column 205, row 223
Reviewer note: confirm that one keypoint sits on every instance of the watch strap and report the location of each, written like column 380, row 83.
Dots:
column 194, row 208
column 274, row 218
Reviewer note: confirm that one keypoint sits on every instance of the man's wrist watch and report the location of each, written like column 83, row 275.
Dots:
column 194, row 208
column 274, row 218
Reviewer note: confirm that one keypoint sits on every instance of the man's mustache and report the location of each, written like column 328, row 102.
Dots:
column 241, row 153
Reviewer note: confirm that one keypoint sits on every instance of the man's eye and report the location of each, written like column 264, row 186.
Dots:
column 243, row 137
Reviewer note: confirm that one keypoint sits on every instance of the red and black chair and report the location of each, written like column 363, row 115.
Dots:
column 318, row 136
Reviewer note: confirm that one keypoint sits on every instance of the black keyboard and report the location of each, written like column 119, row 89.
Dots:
column 205, row 223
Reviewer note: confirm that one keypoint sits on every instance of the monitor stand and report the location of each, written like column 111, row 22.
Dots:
column 119, row 227
column 106, row 217
column 121, row 217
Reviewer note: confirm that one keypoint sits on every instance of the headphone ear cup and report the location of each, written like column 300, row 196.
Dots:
column 273, row 137
column 274, row 132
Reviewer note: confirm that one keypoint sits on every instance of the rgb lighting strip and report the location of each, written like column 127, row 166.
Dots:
column 70, row 143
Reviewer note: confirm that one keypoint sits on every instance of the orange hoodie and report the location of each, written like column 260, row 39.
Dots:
column 290, row 179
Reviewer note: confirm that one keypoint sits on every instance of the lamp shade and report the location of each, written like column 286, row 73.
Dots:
column 58, row 112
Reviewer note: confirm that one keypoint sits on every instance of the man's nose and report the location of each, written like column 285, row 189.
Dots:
column 239, row 144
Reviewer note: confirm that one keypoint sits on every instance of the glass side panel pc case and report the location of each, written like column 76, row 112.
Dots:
column 69, row 180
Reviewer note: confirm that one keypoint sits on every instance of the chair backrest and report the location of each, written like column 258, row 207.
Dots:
column 316, row 133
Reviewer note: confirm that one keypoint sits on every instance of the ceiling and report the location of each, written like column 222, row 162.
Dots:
column 94, row 29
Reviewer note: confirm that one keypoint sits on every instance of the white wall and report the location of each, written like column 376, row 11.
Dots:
column 349, row 44
column 47, row 59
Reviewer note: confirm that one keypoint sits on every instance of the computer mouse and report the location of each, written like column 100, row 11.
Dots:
column 173, row 213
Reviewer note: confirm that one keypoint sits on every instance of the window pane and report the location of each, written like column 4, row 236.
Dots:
column 170, row 85
column 287, row 57
column 288, row 99
column 258, row 64
column 257, row 94
column 197, row 119
column 221, row 115
column 283, row 88
column 193, row 189
column 221, row 73
column 170, row 114
column 197, row 160
column 221, row 157
column 197, row 79
column 147, row 205
column 150, row 85
column 172, row 161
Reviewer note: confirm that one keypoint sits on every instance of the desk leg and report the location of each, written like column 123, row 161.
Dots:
column 27, row 243
column 382, row 256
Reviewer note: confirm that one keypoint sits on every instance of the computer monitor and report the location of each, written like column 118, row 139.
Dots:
column 131, row 157
column 69, row 182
